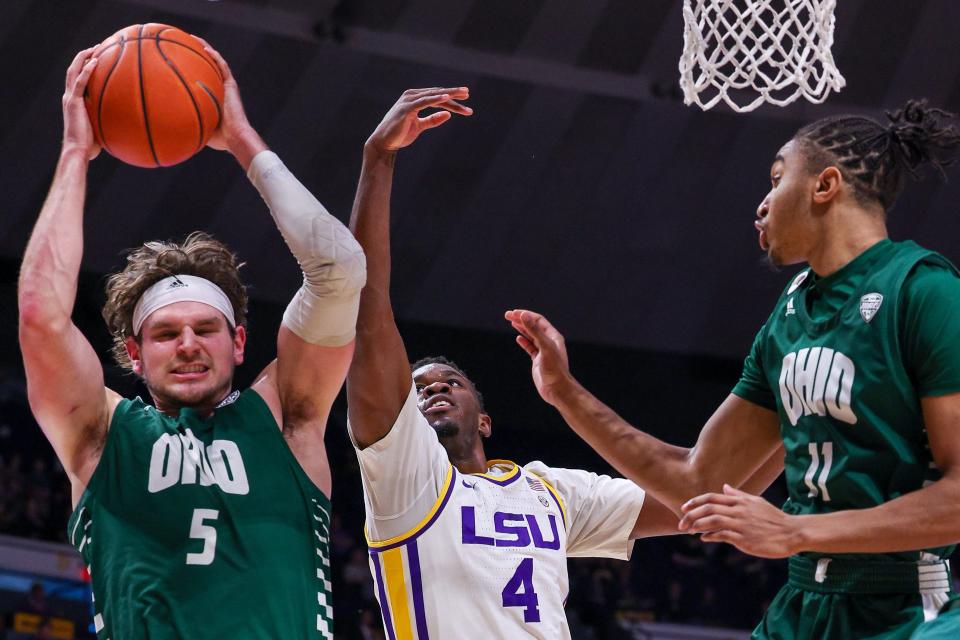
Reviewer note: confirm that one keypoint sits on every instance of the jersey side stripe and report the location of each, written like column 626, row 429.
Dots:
column 397, row 592
column 445, row 493
column 384, row 605
column 416, row 587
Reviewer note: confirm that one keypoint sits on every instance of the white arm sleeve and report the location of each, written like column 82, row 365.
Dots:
column 601, row 511
column 324, row 310
column 402, row 473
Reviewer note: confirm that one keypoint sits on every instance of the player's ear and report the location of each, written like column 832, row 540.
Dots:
column 828, row 185
column 239, row 341
column 133, row 352
column 486, row 425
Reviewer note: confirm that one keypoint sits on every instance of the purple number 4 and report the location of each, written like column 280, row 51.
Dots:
column 514, row 597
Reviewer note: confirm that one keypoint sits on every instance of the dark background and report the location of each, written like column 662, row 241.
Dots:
column 582, row 187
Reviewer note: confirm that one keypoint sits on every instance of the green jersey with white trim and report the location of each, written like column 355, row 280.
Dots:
column 848, row 399
column 204, row 528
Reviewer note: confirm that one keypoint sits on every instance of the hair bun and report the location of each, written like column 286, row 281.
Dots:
column 918, row 137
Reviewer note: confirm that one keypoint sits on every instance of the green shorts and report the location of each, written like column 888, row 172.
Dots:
column 806, row 615
column 946, row 626
column 851, row 601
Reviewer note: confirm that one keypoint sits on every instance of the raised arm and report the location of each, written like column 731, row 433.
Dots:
column 735, row 446
column 64, row 375
column 379, row 378
column 315, row 339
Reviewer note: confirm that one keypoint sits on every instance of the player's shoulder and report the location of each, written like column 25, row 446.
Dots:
column 537, row 467
column 911, row 259
column 543, row 470
column 564, row 479
column 930, row 278
column 578, row 488
column 540, row 467
column 932, row 269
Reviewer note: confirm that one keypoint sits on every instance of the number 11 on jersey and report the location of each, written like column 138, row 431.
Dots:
column 818, row 450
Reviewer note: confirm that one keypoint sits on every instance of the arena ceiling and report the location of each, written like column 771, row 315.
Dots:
column 582, row 187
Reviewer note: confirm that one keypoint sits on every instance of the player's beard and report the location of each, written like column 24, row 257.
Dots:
column 772, row 262
column 178, row 401
column 446, row 428
column 170, row 398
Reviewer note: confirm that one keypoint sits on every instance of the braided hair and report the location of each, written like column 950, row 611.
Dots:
column 876, row 158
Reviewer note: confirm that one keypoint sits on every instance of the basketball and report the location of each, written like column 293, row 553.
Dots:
column 155, row 95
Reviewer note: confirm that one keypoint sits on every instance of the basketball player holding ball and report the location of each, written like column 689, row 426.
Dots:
column 155, row 96
column 205, row 514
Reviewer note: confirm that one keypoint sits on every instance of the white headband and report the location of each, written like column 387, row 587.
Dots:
column 181, row 289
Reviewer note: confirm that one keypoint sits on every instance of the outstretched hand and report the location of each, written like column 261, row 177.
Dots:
column 77, row 130
column 403, row 124
column 746, row 521
column 546, row 348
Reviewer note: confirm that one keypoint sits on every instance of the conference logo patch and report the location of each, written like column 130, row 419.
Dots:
column 869, row 305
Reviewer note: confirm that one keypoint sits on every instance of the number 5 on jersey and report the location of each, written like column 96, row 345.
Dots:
column 205, row 532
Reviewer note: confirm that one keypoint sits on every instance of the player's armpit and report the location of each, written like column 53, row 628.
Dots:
column 941, row 416
column 308, row 378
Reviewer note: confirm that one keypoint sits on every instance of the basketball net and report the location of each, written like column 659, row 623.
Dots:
column 747, row 52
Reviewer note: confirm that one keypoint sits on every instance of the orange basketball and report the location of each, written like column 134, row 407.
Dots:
column 155, row 95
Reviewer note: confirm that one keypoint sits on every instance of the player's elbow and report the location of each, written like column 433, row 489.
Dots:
column 695, row 475
column 39, row 314
column 342, row 276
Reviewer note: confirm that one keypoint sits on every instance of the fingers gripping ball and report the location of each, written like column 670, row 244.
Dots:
column 155, row 95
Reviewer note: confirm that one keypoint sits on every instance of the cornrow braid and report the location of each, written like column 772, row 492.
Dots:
column 876, row 158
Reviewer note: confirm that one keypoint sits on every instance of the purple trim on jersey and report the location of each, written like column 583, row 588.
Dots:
column 416, row 586
column 502, row 483
column 436, row 514
column 384, row 605
column 559, row 508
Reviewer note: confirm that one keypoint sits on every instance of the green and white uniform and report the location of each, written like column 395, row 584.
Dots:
column 845, row 360
column 204, row 528
column 945, row 627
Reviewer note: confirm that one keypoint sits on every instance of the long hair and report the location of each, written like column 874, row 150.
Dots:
column 198, row 255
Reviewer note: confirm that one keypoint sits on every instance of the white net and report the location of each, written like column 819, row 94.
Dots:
column 747, row 52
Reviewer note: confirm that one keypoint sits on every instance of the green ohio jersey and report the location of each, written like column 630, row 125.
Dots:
column 844, row 360
column 204, row 528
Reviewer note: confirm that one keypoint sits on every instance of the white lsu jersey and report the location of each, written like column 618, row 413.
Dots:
column 466, row 556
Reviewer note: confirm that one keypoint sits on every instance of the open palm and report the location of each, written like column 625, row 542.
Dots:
column 403, row 124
